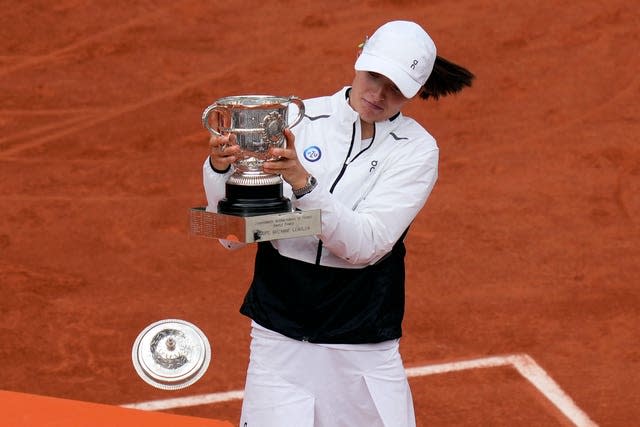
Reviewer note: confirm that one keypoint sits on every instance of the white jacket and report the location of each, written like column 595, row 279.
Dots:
column 369, row 192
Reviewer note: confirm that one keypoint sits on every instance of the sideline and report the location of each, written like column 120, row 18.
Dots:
column 523, row 363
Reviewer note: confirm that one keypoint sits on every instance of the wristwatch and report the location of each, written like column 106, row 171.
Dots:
column 309, row 186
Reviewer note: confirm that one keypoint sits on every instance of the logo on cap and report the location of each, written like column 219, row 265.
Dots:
column 415, row 62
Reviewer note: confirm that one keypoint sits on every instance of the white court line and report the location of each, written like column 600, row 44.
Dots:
column 529, row 369
column 524, row 364
column 184, row 402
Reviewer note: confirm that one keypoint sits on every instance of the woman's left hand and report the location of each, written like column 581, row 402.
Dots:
column 287, row 165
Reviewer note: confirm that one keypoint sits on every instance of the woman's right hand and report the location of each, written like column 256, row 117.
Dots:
column 223, row 151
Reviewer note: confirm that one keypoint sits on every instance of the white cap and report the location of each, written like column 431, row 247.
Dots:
column 401, row 51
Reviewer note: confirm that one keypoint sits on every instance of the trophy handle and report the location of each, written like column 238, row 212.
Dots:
column 300, row 104
column 207, row 112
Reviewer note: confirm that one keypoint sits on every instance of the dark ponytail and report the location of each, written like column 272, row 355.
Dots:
column 446, row 78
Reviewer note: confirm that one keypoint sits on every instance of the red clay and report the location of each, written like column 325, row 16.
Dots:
column 529, row 243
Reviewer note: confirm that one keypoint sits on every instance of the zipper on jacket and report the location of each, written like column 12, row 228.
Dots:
column 347, row 162
column 342, row 171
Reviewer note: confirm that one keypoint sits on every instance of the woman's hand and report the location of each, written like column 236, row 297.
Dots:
column 223, row 151
column 287, row 165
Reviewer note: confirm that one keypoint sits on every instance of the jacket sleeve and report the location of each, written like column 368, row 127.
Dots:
column 214, row 186
column 214, row 183
column 364, row 232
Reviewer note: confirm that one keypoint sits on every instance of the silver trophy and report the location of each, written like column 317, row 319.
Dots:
column 258, row 122
column 171, row 354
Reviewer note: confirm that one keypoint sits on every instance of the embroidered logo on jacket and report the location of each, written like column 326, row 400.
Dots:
column 314, row 118
column 396, row 137
column 312, row 153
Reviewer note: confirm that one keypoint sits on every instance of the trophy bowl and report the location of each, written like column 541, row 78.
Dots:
column 258, row 122
column 171, row 354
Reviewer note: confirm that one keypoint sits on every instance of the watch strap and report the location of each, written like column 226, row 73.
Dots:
column 310, row 185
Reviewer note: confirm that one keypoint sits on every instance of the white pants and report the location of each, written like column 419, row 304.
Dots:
column 294, row 383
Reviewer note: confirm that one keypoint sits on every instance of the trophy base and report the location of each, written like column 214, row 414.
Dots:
column 253, row 200
column 258, row 228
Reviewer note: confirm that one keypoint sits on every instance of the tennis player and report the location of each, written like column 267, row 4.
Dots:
column 327, row 310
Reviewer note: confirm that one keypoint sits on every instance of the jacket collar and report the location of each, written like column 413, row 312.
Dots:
column 349, row 115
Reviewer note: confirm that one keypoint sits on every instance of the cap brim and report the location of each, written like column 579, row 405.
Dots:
column 402, row 80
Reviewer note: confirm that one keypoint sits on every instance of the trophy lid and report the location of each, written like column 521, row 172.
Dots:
column 171, row 354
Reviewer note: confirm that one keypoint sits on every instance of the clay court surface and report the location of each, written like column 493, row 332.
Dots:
column 529, row 246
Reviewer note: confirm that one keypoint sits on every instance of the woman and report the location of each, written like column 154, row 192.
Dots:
column 327, row 310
